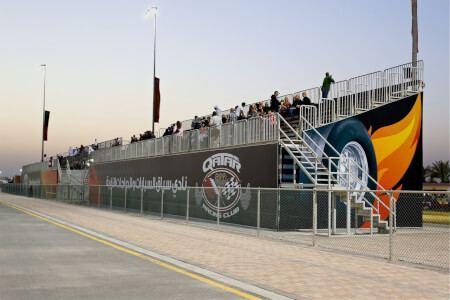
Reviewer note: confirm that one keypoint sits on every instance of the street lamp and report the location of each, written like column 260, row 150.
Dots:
column 43, row 113
column 152, row 11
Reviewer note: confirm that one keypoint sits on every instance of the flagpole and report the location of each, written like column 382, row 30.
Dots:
column 154, row 70
column 414, row 31
column 415, row 47
column 43, row 113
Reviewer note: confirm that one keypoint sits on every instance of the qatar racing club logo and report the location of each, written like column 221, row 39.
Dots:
column 222, row 188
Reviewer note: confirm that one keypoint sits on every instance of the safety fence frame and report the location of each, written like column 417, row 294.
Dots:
column 291, row 214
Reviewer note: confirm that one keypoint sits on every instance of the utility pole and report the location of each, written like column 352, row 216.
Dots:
column 414, row 32
column 415, row 47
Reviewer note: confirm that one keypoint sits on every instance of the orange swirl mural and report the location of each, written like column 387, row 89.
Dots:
column 395, row 146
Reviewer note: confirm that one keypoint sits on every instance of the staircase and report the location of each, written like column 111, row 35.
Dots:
column 305, row 165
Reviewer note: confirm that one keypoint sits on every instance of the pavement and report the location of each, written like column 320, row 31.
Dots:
column 255, row 266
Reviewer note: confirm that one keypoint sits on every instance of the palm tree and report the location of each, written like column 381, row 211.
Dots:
column 440, row 170
column 426, row 174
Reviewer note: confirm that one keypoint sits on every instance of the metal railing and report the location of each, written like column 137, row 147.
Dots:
column 254, row 130
column 350, row 96
column 292, row 215
column 365, row 92
column 44, row 165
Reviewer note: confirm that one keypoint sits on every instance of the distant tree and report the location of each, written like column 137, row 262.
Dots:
column 440, row 170
column 426, row 174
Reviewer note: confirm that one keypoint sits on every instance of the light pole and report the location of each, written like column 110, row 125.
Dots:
column 43, row 113
column 152, row 11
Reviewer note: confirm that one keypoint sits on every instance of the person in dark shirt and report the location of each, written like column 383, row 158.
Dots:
column 266, row 108
column 306, row 100
column 224, row 119
column 327, row 81
column 295, row 108
column 196, row 124
column 274, row 103
column 205, row 122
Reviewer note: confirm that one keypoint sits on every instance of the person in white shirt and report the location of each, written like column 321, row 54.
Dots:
column 240, row 111
column 215, row 123
column 70, row 151
column 218, row 110
column 215, row 120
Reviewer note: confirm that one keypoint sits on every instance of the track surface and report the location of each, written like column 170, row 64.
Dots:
column 40, row 260
column 283, row 268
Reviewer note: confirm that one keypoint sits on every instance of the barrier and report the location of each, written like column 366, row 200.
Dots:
column 267, row 209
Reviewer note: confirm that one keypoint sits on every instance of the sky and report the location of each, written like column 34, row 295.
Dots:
column 99, row 57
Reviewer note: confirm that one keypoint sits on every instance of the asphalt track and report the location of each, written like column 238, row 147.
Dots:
column 42, row 260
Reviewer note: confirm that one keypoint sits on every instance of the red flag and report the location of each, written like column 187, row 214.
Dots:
column 46, row 119
column 157, row 101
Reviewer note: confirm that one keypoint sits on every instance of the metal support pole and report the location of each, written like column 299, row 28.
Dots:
column 258, row 212
column 43, row 113
column 371, row 222
column 218, row 210
column 142, row 200
column 348, row 213
column 84, row 188
column 395, row 214
column 125, row 200
column 110, row 199
column 187, row 206
column 98, row 197
column 329, row 197
column 391, row 244
column 154, row 73
column 414, row 32
column 162, row 203
column 333, row 204
column 314, row 217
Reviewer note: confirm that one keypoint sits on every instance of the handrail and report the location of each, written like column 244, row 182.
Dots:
column 301, row 152
column 296, row 133
column 350, row 160
column 336, row 152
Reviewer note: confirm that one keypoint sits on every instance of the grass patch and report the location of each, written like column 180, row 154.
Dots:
column 436, row 217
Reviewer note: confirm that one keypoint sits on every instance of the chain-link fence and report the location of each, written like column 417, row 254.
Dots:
column 407, row 226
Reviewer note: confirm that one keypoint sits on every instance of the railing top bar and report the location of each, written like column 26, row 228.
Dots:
column 404, row 65
column 308, row 188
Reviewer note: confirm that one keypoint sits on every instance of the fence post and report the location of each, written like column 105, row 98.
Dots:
column 258, row 212
column 110, row 199
column 329, row 197
column 125, row 200
column 218, row 210
column 391, row 244
column 349, row 208
column 162, row 203
column 314, row 217
column 142, row 200
column 98, row 197
column 187, row 206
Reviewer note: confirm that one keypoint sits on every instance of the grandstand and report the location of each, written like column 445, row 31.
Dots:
column 344, row 145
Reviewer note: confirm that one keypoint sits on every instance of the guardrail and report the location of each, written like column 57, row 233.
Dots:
column 254, row 130
column 305, row 210
column 44, row 165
